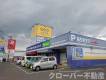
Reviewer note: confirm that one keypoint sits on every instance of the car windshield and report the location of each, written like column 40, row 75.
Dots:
column 32, row 59
column 36, row 59
column 28, row 58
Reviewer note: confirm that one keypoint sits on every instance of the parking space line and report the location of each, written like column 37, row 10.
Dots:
column 20, row 68
column 29, row 73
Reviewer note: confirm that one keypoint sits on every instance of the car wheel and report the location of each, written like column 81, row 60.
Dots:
column 55, row 67
column 24, row 65
column 37, row 68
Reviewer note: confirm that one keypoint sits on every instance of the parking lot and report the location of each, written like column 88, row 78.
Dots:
column 11, row 71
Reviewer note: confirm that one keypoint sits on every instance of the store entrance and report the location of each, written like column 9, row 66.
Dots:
column 61, row 56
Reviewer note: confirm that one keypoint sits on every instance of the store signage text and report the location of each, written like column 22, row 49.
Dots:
column 80, row 39
column 40, row 45
column 34, row 47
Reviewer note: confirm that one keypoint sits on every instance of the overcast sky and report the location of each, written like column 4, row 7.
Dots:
column 86, row 17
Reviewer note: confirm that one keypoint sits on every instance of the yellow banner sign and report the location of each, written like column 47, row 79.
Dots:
column 2, row 41
column 42, row 31
column 94, row 56
column 89, row 54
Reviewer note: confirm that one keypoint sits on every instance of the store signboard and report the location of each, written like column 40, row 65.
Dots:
column 35, row 47
column 1, row 48
column 82, row 39
column 88, row 54
column 85, row 57
column 2, row 42
column 94, row 54
column 39, row 45
column 11, row 44
column 77, row 53
column 46, row 43
column 79, row 39
column 42, row 31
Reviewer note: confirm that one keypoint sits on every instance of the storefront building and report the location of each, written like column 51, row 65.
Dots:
column 73, row 49
column 2, row 47
column 2, row 51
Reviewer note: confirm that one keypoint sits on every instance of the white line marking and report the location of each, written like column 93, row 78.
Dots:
column 29, row 73
column 22, row 69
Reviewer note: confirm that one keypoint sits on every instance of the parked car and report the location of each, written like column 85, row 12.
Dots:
column 29, row 62
column 42, row 62
column 25, row 60
column 18, row 62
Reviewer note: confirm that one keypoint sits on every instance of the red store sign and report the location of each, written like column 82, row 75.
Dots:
column 11, row 44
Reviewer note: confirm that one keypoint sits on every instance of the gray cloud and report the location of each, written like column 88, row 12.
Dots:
column 69, row 14
column 81, row 16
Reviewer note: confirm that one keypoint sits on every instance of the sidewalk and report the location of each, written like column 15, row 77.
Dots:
column 64, row 67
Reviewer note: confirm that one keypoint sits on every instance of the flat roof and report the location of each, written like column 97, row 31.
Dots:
column 70, row 39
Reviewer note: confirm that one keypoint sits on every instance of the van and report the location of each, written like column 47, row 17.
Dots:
column 25, row 60
column 29, row 62
column 43, row 62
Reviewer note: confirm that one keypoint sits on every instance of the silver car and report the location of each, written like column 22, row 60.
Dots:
column 43, row 62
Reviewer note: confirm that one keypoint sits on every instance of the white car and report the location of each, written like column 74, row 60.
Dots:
column 25, row 60
column 18, row 62
column 43, row 62
column 23, row 63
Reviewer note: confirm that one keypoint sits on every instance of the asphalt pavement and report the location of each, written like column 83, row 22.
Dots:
column 11, row 71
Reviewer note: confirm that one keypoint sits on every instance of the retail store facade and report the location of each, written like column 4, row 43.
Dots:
column 72, row 49
column 2, row 47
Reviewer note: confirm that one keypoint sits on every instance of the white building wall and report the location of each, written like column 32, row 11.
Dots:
column 19, row 53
